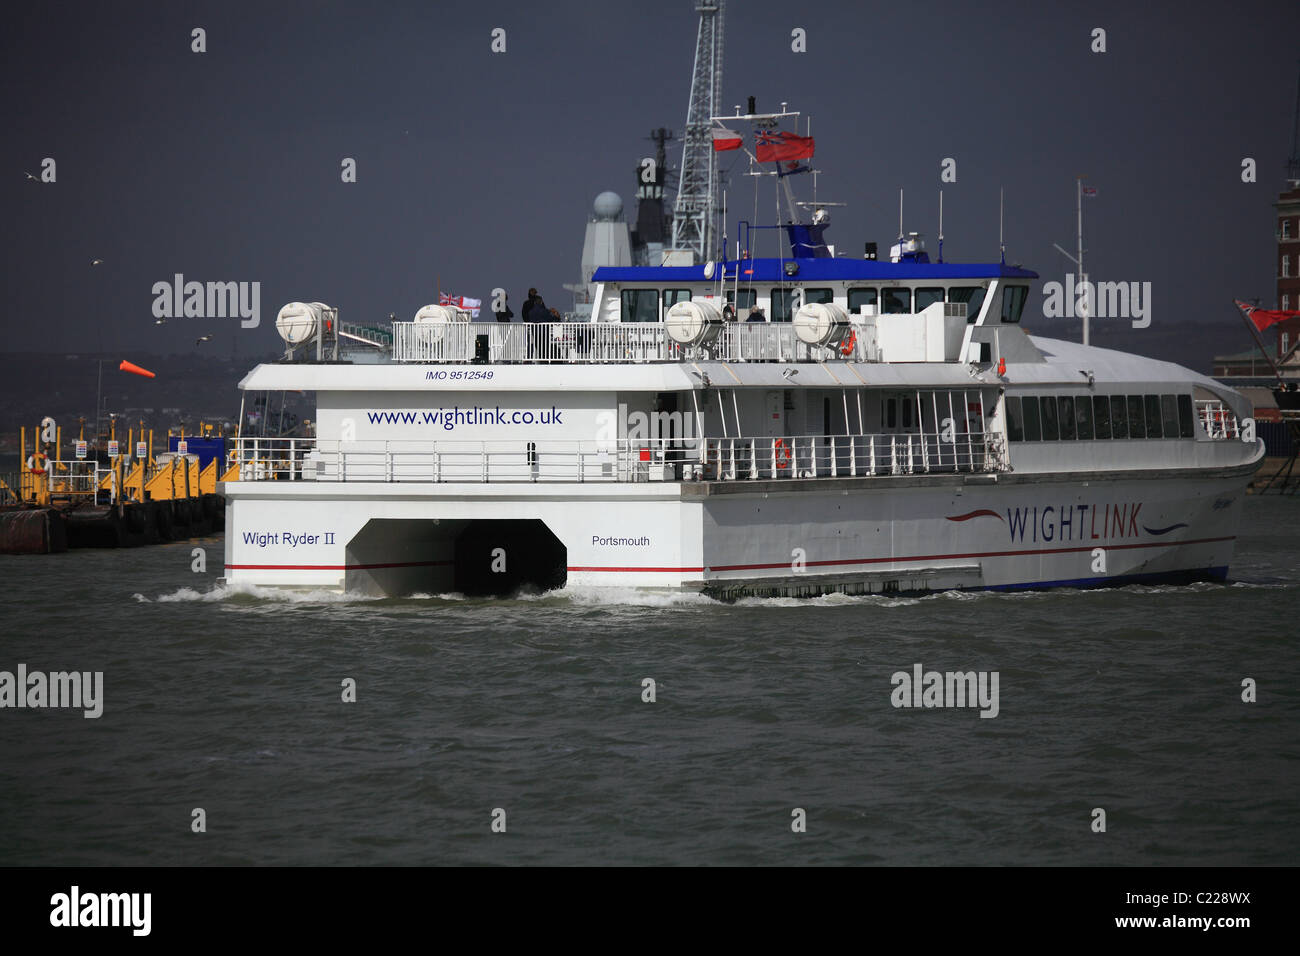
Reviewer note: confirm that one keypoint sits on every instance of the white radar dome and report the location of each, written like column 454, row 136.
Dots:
column 693, row 323
column 608, row 205
column 821, row 323
column 298, row 321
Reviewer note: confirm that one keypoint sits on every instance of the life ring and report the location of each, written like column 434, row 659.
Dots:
column 781, row 451
column 847, row 346
column 36, row 463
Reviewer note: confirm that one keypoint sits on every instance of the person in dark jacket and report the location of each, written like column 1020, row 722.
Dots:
column 535, row 311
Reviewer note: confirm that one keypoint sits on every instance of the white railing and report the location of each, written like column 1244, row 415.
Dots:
column 1218, row 420
column 623, row 460
column 610, row 342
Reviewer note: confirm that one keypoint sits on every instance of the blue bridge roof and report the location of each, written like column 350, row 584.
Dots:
column 813, row 270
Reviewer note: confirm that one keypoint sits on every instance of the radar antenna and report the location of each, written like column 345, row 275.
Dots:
column 693, row 212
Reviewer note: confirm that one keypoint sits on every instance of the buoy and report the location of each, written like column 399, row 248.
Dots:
column 135, row 369
column 1002, row 366
column 36, row 463
column 782, row 452
column 846, row 347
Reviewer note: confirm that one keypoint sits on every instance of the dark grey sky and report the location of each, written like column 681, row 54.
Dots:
column 479, row 168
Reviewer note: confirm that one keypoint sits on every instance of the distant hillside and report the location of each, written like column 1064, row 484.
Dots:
column 188, row 388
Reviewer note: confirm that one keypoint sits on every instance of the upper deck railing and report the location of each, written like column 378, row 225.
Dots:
column 611, row 342
column 623, row 460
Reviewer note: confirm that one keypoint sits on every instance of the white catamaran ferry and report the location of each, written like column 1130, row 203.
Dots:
column 793, row 425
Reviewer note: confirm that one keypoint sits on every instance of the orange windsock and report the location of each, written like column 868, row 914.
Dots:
column 135, row 369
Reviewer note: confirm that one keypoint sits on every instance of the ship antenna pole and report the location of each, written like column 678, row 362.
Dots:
column 1087, row 304
column 941, row 225
column 1002, row 244
column 900, row 214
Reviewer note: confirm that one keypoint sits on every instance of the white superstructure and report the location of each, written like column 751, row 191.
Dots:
column 847, row 445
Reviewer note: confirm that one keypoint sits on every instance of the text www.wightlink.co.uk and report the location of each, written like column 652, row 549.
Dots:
column 449, row 418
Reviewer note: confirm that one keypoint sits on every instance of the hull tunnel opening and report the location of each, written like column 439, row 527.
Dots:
column 485, row 557
column 499, row 557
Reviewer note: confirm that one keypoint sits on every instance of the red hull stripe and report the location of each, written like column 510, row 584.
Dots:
column 929, row 557
column 336, row 567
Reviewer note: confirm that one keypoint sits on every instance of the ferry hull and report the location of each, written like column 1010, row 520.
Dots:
column 875, row 535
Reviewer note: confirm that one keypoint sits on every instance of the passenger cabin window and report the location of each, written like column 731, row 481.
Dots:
column 1083, row 417
column 1065, row 414
column 782, row 301
column 1186, row 420
column 1118, row 417
column 1169, row 412
column 742, row 300
column 1101, row 415
column 1013, row 302
column 860, row 297
column 1033, row 421
column 1051, row 427
column 818, row 295
column 1137, row 426
column 972, row 295
column 927, row 297
column 673, row 296
column 1015, row 423
column 1152, row 405
column 897, row 301
column 640, row 305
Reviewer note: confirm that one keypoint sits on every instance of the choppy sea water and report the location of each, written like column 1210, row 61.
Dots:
column 1127, row 700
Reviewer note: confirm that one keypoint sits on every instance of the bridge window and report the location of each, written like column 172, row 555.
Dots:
column 1013, row 302
column 1101, row 415
column 1065, row 412
column 640, row 305
column 1051, row 427
column 782, row 304
column 1137, row 425
column 1186, row 421
column 673, row 296
column 1033, row 421
column 1083, row 417
column 973, row 296
column 927, row 297
column 898, row 301
column 1118, row 417
column 1169, row 412
column 860, row 297
column 1015, row 422
column 742, row 300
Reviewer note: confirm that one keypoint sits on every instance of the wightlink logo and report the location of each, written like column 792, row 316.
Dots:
column 76, row 909
column 211, row 300
column 80, row 690
column 922, row 688
column 1098, row 300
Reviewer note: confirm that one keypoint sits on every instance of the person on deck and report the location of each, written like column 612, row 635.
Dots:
column 536, row 312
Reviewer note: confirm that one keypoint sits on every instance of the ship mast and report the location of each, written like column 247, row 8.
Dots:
column 693, row 212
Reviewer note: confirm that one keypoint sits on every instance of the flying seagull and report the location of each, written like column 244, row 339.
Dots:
column 31, row 177
column 203, row 338
column 96, row 262
column 159, row 321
